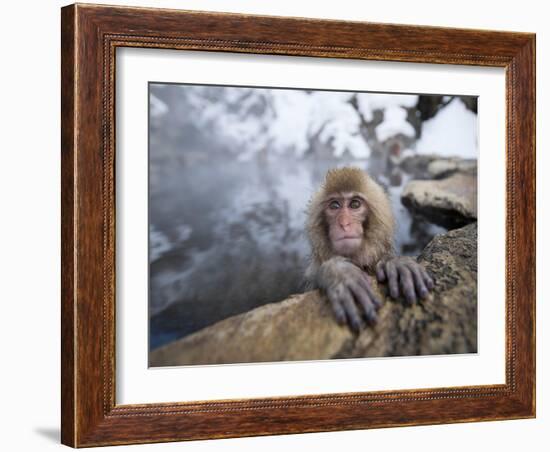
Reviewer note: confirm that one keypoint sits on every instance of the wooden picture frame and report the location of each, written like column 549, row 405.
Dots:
column 90, row 36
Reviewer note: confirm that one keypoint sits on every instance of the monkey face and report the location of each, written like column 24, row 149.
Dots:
column 346, row 214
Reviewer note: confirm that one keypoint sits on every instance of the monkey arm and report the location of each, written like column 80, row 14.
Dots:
column 349, row 292
column 405, row 276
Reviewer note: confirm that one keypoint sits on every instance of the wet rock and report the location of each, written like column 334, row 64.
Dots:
column 426, row 166
column 446, row 322
column 302, row 327
column 298, row 328
column 418, row 164
column 440, row 168
column 449, row 202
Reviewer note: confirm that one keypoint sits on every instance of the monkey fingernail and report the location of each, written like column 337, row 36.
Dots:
column 340, row 317
column 372, row 318
column 356, row 325
column 410, row 299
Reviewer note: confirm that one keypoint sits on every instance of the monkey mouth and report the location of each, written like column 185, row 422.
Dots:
column 348, row 237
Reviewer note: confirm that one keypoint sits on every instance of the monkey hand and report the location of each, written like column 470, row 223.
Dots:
column 405, row 277
column 349, row 291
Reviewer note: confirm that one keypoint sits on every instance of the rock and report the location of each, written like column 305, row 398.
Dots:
column 417, row 164
column 430, row 166
column 446, row 322
column 449, row 202
column 298, row 328
column 440, row 168
column 302, row 327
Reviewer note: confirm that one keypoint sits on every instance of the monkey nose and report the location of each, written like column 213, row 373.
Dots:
column 344, row 221
column 345, row 225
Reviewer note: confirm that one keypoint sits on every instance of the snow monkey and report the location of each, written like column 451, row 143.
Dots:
column 350, row 228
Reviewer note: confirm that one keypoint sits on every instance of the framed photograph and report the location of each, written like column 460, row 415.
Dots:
column 281, row 225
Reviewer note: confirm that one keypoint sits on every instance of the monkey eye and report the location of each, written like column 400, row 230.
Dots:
column 355, row 204
column 334, row 205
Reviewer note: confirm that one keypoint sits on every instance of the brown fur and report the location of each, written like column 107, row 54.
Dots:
column 378, row 227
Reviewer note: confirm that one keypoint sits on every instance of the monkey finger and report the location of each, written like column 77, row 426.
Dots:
column 427, row 278
column 337, row 308
column 407, row 285
column 375, row 300
column 419, row 283
column 366, row 284
column 364, row 280
column 352, row 314
column 391, row 274
column 362, row 297
column 380, row 274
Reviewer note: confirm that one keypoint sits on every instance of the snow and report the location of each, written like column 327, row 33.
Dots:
column 451, row 133
column 394, row 123
column 339, row 123
column 379, row 101
column 284, row 119
column 365, row 106
column 254, row 120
